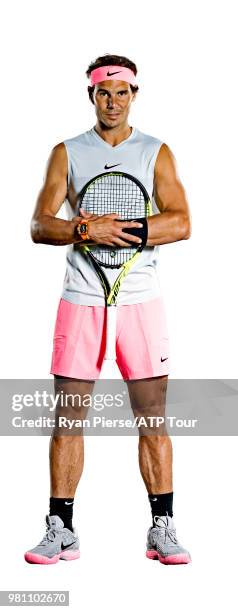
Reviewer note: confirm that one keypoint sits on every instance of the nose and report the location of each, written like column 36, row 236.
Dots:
column 111, row 101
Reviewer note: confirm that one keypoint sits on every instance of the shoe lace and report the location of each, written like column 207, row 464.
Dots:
column 168, row 531
column 49, row 536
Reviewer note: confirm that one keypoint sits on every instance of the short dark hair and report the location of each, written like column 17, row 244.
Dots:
column 111, row 60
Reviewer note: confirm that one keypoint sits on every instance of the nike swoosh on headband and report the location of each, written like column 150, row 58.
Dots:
column 108, row 167
column 111, row 73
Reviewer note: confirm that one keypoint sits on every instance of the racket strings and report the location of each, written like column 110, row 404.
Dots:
column 108, row 257
column 114, row 194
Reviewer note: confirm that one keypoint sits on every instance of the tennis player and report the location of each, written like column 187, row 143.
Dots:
column 142, row 343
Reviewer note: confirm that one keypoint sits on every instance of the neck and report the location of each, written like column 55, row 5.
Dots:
column 113, row 135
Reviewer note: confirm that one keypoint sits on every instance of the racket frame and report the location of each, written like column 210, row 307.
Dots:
column 111, row 293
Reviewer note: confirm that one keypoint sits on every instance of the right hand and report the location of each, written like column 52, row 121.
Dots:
column 105, row 229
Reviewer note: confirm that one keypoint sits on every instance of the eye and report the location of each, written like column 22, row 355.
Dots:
column 122, row 93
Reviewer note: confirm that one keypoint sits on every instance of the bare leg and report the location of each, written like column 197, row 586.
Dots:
column 67, row 451
column 148, row 398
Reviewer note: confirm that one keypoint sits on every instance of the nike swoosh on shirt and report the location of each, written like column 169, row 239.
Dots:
column 164, row 358
column 108, row 167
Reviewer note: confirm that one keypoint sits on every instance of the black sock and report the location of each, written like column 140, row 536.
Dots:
column 161, row 504
column 63, row 507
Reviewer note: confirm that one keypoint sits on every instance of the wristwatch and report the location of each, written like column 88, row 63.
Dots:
column 82, row 229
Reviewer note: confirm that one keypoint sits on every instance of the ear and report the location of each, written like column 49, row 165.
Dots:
column 90, row 93
column 91, row 98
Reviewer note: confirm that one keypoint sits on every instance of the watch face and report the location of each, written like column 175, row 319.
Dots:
column 83, row 228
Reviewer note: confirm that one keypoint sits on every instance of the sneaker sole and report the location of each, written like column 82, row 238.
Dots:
column 66, row 555
column 170, row 559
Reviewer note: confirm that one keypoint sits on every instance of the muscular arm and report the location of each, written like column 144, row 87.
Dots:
column 173, row 223
column 45, row 227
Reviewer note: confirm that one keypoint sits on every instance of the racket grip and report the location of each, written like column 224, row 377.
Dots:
column 110, row 353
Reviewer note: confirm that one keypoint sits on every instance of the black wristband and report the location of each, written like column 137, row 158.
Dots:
column 141, row 232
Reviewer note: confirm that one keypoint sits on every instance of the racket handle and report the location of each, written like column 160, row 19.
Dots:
column 111, row 333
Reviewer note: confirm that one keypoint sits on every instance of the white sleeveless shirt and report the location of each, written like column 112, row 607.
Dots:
column 88, row 154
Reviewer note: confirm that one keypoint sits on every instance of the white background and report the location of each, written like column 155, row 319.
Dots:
column 185, row 53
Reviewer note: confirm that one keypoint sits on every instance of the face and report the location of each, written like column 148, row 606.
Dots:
column 112, row 100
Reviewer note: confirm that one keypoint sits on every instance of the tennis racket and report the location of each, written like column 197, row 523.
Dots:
column 121, row 193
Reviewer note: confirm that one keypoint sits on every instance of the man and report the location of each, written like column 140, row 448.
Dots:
column 79, row 337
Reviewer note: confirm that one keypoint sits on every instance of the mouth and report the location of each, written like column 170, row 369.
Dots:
column 113, row 115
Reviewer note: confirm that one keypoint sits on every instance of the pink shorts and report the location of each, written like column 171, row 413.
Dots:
column 142, row 344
